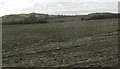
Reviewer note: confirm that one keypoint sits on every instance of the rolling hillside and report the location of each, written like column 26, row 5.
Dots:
column 66, row 41
column 38, row 18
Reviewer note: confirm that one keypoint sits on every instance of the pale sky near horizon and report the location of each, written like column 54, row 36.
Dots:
column 69, row 7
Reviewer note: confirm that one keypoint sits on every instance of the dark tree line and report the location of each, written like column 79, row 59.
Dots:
column 103, row 16
column 32, row 19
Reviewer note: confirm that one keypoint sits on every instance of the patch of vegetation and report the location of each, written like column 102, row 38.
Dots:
column 24, row 19
column 94, row 16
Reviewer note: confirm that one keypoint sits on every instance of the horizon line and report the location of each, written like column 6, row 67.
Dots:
column 59, row 14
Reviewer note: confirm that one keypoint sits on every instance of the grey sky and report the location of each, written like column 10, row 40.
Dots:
column 57, row 6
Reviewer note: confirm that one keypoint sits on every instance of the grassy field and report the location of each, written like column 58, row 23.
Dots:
column 70, row 43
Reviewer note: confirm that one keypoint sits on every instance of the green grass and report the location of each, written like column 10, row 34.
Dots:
column 70, row 43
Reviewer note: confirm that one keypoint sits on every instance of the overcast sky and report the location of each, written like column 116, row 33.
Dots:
column 57, row 6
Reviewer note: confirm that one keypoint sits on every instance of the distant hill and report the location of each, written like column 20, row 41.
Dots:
column 26, row 18
column 93, row 16
column 32, row 18
column 28, row 15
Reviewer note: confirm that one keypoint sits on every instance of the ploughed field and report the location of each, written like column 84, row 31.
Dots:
column 69, row 43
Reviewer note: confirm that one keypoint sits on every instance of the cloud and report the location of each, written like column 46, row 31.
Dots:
column 73, row 7
column 56, row 6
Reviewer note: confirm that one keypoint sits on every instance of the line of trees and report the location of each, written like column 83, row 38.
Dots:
column 102, row 16
column 31, row 19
